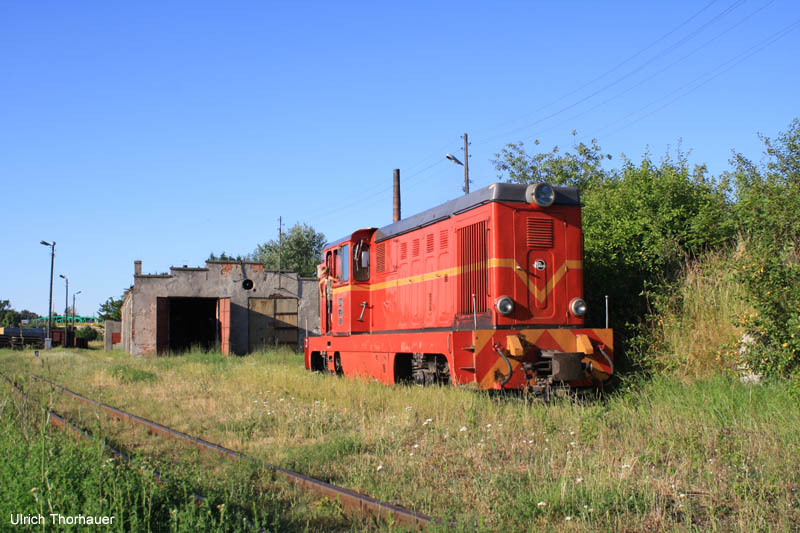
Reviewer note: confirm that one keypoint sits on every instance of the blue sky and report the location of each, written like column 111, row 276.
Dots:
column 163, row 131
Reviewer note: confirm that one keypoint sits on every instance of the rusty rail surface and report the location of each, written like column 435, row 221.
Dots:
column 64, row 425
column 350, row 501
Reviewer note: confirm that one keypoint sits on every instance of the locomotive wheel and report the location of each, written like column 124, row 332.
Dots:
column 429, row 369
column 317, row 362
column 337, row 365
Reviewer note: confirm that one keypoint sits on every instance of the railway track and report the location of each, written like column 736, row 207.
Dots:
column 352, row 502
column 66, row 426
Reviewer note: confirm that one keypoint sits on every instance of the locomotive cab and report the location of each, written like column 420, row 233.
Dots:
column 344, row 295
column 486, row 288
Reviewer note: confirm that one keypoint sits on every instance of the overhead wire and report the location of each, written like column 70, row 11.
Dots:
column 607, row 72
column 379, row 191
column 430, row 162
column 655, row 74
column 625, row 76
column 709, row 75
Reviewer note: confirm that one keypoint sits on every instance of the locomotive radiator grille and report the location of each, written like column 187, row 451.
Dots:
column 473, row 268
column 381, row 257
column 539, row 232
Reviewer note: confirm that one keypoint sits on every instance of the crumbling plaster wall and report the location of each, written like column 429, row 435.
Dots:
column 218, row 279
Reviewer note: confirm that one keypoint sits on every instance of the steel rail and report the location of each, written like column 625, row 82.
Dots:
column 349, row 500
column 66, row 426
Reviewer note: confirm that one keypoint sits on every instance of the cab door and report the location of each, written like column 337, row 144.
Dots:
column 341, row 304
column 540, row 259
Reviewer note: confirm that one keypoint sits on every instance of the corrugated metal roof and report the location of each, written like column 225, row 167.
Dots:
column 497, row 192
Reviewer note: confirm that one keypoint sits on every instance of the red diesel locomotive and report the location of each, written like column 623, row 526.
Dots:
column 484, row 289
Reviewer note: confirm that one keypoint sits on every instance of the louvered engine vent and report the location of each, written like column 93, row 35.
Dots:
column 540, row 232
column 381, row 257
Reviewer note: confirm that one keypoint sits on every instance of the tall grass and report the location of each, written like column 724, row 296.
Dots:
column 44, row 472
column 696, row 317
column 658, row 454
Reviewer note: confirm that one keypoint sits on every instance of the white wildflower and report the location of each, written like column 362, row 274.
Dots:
column 380, row 467
column 541, row 504
column 567, row 518
column 463, row 428
column 579, row 480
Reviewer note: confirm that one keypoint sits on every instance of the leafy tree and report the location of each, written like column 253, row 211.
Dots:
column 582, row 169
column 224, row 257
column 767, row 212
column 8, row 316
column 88, row 333
column 111, row 309
column 767, row 196
column 12, row 317
column 28, row 315
column 300, row 251
column 640, row 226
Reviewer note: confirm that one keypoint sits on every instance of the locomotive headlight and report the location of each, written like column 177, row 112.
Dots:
column 577, row 307
column 504, row 305
column 541, row 194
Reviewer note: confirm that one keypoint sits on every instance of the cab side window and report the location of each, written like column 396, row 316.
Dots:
column 344, row 262
column 361, row 261
column 337, row 264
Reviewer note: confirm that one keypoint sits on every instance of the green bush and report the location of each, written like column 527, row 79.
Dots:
column 640, row 226
column 767, row 211
column 771, row 276
column 88, row 333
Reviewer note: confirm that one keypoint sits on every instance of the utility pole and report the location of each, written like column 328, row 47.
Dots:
column 66, row 311
column 466, row 165
column 280, row 248
column 48, row 342
column 74, row 294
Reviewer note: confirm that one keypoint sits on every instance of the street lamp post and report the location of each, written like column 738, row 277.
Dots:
column 48, row 342
column 66, row 308
column 74, row 294
column 465, row 164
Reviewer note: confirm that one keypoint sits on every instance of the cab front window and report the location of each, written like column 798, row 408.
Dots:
column 361, row 261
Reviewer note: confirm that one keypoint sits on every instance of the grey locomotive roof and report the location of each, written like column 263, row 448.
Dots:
column 497, row 192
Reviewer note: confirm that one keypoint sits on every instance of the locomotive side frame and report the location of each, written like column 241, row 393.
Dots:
column 427, row 298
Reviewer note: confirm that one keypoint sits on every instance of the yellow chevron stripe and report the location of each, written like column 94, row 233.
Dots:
column 531, row 335
column 496, row 262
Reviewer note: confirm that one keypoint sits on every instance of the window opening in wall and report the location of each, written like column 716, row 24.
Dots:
column 337, row 264
column 344, row 257
column 361, row 261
